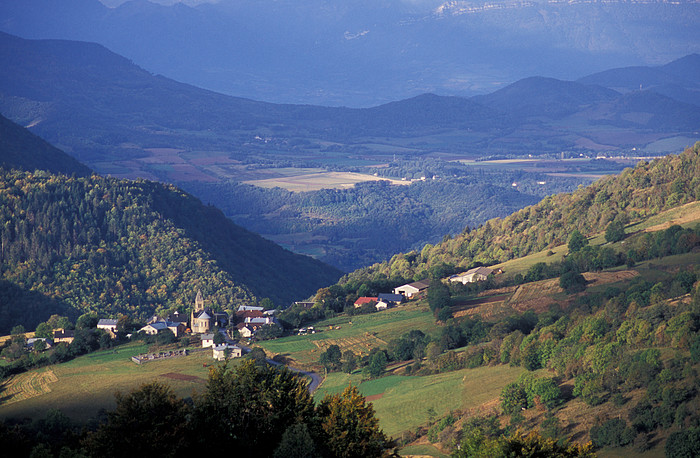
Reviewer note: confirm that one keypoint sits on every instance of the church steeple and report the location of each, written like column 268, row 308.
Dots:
column 198, row 302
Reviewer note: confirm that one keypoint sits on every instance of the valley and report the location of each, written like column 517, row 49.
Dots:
column 360, row 229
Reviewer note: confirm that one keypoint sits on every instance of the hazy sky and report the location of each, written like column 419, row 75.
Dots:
column 113, row 3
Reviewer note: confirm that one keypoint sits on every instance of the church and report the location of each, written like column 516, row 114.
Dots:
column 204, row 319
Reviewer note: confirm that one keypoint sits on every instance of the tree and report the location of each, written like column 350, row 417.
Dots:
column 249, row 407
column 438, row 295
column 330, row 358
column 577, row 241
column 149, row 421
column 296, row 443
column 349, row 428
column 572, row 282
column 615, row 232
column 349, row 361
column 219, row 338
column 377, row 364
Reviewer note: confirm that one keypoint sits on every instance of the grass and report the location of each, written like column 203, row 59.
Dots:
column 359, row 333
column 405, row 400
column 87, row 384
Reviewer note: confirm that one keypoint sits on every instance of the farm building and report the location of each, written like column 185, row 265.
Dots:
column 412, row 289
column 472, row 275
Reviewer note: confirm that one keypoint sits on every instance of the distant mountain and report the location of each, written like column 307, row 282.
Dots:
column 112, row 115
column 678, row 79
column 367, row 52
column 549, row 97
column 22, row 150
column 75, row 245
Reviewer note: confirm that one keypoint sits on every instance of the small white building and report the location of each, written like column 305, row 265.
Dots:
column 109, row 326
column 223, row 351
column 207, row 340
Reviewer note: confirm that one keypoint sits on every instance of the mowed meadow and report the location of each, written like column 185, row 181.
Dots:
column 402, row 403
column 85, row 385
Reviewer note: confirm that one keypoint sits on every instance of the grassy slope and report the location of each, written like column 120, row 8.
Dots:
column 87, row 384
column 405, row 400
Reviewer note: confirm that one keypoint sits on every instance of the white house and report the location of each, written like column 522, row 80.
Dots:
column 412, row 289
column 108, row 325
column 382, row 305
column 472, row 275
column 219, row 351
column 207, row 340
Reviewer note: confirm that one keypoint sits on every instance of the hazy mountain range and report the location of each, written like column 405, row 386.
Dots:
column 361, row 52
column 103, row 109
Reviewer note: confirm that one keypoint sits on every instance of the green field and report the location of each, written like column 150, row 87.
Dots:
column 359, row 333
column 83, row 386
column 405, row 400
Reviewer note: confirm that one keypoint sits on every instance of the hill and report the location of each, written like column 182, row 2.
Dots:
column 74, row 245
column 22, row 150
column 675, row 79
column 635, row 194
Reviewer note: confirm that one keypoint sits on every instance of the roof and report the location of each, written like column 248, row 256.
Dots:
column 244, row 308
column 479, row 270
column 207, row 336
column 107, row 322
column 365, row 300
column 421, row 284
column 390, row 297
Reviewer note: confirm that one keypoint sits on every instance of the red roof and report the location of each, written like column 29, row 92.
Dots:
column 365, row 300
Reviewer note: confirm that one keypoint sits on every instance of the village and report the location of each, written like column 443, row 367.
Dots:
column 227, row 336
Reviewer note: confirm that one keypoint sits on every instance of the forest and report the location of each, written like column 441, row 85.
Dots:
column 71, row 245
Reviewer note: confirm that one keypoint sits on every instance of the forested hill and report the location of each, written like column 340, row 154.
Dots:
column 72, row 245
column 22, row 150
column 635, row 194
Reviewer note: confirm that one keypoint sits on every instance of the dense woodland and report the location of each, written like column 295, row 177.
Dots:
column 73, row 245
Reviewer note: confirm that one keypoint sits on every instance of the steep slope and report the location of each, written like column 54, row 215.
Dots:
column 99, row 244
column 20, row 149
column 636, row 193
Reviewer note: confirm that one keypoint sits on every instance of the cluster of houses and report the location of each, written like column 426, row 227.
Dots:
column 419, row 288
column 202, row 321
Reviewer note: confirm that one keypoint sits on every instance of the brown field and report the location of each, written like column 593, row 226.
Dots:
column 537, row 296
column 359, row 345
column 320, row 180
column 687, row 214
column 27, row 385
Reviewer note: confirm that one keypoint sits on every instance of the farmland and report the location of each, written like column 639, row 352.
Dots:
column 359, row 333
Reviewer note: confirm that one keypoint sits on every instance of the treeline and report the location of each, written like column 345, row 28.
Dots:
column 252, row 408
column 133, row 248
column 637, row 193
